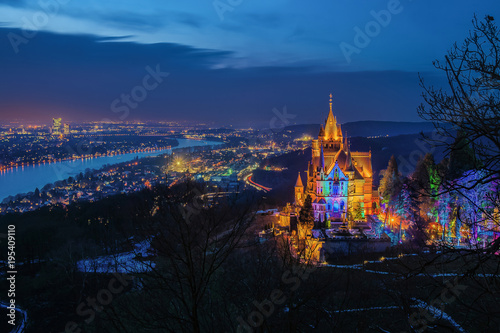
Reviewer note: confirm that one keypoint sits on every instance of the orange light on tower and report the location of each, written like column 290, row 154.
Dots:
column 331, row 102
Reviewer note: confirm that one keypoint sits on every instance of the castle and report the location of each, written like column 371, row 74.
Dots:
column 338, row 180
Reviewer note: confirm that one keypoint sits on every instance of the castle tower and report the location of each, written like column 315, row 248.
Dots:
column 299, row 191
column 338, row 179
column 331, row 126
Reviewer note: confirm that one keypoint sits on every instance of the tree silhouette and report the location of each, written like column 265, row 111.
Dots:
column 306, row 217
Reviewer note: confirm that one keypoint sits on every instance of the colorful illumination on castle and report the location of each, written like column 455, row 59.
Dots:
column 338, row 180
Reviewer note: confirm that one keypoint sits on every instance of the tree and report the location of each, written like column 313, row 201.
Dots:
column 193, row 238
column 306, row 217
column 390, row 186
column 473, row 202
column 462, row 157
column 425, row 178
column 404, row 207
column 444, row 211
column 391, row 182
column 425, row 181
column 468, row 112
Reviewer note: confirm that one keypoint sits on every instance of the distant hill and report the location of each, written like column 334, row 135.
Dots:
column 369, row 128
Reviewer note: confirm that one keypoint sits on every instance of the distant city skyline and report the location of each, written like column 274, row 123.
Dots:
column 224, row 65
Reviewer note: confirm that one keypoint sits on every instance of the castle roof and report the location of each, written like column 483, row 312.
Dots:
column 331, row 126
column 349, row 166
column 363, row 162
column 341, row 159
column 357, row 174
column 299, row 181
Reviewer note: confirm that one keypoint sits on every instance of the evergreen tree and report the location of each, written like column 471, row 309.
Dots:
column 306, row 216
column 474, row 203
column 391, row 182
column 426, row 182
column 404, row 207
column 426, row 179
column 444, row 209
column 462, row 157
column 390, row 186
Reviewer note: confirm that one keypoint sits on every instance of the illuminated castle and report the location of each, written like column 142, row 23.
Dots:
column 339, row 180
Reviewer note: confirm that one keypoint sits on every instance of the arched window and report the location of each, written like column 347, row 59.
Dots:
column 336, row 207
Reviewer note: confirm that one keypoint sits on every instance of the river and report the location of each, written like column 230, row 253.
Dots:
column 26, row 179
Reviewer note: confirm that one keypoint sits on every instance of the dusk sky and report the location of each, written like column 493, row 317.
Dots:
column 230, row 62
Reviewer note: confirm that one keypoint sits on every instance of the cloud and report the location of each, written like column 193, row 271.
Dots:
column 78, row 76
column 195, row 21
column 134, row 21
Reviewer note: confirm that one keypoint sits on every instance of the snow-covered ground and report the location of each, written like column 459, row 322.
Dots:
column 435, row 275
column 125, row 262
column 273, row 211
column 437, row 313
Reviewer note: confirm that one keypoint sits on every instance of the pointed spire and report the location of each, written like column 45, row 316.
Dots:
column 348, row 161
column 346, row 145
column 331, row 124
column 331, row 102
column 321, row 132
column 299, row 181
column 322, row 158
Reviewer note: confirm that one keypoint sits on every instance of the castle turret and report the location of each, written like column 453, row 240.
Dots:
column 299, row 191
column 321, row 132
column 331, row 124
column 331, row 127
column 298, row 183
